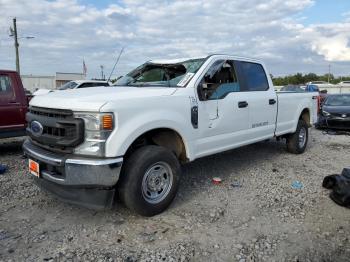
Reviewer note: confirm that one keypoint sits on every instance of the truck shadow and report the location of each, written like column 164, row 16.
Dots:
column 230, row 166
column 11, row 146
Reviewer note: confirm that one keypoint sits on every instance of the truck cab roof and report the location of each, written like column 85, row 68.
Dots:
column 89, row 81
column 223, row 56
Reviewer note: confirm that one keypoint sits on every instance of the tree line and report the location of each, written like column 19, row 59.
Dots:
column 301, row 79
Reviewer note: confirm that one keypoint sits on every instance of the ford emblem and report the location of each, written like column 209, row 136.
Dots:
column 36, row 128
column 343, row 115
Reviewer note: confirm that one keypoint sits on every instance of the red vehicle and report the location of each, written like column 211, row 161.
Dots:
column 13, row 105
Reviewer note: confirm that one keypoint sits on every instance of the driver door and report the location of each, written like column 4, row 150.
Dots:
column 223, row 116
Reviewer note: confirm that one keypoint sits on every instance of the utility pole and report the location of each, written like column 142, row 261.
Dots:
column 329, row 72
column 16, row 45
column 14, row 34
column 102, row 76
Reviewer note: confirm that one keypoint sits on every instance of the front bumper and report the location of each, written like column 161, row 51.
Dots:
column 333, row 122
column 89, row 182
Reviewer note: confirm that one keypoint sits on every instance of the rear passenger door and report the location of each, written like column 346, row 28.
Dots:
column 261, row 100
column 11, row 106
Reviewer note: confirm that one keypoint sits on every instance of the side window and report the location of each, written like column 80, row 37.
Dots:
column 219, row 81
column 5, row 86
column 85, row 85
column 100, row 84
column 252, row 76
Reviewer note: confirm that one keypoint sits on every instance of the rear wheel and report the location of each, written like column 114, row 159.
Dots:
column 296, row 142
column 149, row 180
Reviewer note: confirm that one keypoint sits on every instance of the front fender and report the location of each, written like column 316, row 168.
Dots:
column 129, row 129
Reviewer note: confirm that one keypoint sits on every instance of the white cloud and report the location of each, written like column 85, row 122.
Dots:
column 67, row 31
column 330, row 41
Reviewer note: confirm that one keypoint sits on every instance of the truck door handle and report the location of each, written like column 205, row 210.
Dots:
column 242, row 104
column 272, row 101
column 14, row 103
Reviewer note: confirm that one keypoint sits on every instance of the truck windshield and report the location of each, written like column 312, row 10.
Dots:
column 161, row 74
column 69, row 85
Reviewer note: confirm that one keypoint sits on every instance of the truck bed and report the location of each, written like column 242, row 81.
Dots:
column 290, row 105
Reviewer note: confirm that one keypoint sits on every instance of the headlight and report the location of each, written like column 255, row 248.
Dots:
column 325, row 113
column 98, row 127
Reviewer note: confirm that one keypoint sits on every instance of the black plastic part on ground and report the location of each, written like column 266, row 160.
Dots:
column 340, row 186
column 335, row 132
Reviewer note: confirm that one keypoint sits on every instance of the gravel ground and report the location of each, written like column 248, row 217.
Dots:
column 254, row 215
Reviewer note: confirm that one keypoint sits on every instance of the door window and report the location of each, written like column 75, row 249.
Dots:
column 252, row 76
column 85, row 85
column 219, row 81
column 100, row 84
column 6, row 86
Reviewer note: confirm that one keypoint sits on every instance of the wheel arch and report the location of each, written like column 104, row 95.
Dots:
column 306, row 116
column 162, row 136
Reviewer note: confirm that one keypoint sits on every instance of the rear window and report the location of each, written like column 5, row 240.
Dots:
column 101, row 84
column 5, row 85
column 92, row 84
column 252, row 76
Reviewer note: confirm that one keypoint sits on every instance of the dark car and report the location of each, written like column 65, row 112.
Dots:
column 335, row 112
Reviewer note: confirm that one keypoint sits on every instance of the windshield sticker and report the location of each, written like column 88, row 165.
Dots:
column 185, row 79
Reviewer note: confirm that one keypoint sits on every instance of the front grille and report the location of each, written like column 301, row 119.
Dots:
column 53, row 131
column 55, row 113
column 60, row 130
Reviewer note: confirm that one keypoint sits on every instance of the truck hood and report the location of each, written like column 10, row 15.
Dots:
column 93, row 98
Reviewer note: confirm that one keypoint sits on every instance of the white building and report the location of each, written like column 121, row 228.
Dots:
column 34, row 82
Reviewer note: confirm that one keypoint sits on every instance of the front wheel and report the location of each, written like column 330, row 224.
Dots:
column 149, row 180
column 296, row 142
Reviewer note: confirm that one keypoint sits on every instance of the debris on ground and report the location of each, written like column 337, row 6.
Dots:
column 297, row 185
column 3, row 169
column 217, row 180
column 236, row 183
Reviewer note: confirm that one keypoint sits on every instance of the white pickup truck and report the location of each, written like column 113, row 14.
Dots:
column 87, row 146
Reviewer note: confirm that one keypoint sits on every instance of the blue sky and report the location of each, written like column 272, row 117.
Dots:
column 288, row 35
column 99, row 4
column 326, row 11
column 323, row 11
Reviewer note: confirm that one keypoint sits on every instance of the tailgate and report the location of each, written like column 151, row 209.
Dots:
column 315, row 107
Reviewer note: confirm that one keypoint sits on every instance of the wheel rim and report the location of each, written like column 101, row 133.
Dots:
column 157, row 182
column 302, row 137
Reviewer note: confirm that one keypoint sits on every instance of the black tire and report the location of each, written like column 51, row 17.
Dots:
column 131, row 187
column 293, row 144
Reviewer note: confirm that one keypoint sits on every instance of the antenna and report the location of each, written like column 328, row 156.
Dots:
column 121, row 51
